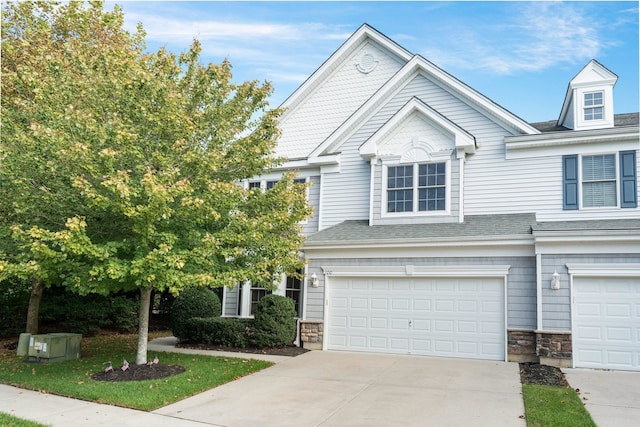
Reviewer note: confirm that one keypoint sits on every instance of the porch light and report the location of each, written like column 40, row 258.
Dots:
column 555, row 281
column 314, row 280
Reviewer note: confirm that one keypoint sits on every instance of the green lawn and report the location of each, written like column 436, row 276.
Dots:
column 547, row 406
column 7, row 420
column 73, row 378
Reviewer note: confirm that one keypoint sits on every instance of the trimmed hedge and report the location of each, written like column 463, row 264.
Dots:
column 275, row 323
column 193, row 302
column 232, row 332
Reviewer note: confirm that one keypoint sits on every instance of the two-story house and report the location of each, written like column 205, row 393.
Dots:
column 446, row 225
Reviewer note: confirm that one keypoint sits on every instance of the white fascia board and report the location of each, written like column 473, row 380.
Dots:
column 415, row 66
column 355, row 40
column 604, row 269
column 586, row 242
column 477, row 98
column 564, row 142
column 464, row 270
column 463, row 140
column 449, row 247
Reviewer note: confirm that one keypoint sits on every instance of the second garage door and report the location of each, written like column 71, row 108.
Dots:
column 451, row 317
column 606, row 332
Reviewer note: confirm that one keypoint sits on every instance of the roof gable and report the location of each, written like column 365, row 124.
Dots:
column 352, row 74
column 418, row 65
column 593, row 76
column 417, row 131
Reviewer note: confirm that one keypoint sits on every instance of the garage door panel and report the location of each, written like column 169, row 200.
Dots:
column 426, row 316
column 606, row 331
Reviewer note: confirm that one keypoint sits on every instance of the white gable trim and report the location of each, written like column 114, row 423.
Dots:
column 364, row 32
column 414, row 67
column 606, row 82
column 464, row 141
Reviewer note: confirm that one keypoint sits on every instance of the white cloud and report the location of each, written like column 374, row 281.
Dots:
column 536, row 36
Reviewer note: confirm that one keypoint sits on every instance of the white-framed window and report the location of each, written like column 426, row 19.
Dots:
column 293, row 290
column 417, row 188
column 594, row 106
column 599, row 181
column 257, row 293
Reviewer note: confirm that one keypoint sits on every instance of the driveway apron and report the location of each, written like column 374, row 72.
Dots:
column 359, row 389
column 611, row 397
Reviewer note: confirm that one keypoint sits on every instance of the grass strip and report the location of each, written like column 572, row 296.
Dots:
column 73, row 378
column 554, row 406
column 11, row 421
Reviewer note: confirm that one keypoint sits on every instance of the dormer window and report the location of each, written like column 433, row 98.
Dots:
column 427, row 193
column 594, row 106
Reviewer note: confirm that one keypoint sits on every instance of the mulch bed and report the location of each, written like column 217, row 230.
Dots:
column 535, row 373
column 288, row 350
column 139, row 373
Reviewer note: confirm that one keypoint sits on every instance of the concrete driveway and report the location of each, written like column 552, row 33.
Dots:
column 611, row 397
column 353, row 389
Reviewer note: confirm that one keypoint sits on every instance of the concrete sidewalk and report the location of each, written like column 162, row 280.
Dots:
column 611, row 397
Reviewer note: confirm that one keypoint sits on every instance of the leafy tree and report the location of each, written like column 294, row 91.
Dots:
column 147, row 152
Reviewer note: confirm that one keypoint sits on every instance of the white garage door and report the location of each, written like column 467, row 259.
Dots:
column 606, row 315
column 452, row 317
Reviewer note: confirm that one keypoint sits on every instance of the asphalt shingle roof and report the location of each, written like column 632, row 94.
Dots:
column 474, row 226
column 619, row 120
column 478, row 226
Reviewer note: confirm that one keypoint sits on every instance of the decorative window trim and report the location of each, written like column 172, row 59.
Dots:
column 415, row 212
column 625, row 181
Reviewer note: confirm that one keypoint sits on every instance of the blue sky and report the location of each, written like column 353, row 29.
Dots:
column 520, row 54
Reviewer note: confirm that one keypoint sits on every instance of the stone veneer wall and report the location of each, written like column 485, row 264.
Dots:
column 521, row 346
column 554, row 348
column 311, row 334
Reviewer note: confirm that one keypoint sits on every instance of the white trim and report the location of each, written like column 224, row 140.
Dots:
column 320, row 201
column 416, row 271
column 463, row 141
column 560, row 143
column 415, row 192
column 539, row 292
column 371, row 189
column 416, row 66
column 621, row 269
column 325, row 313
column 461, row 190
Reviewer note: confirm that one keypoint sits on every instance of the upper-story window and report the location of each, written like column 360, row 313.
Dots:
column 420, row 187
column 594, row 105
column 600, row 181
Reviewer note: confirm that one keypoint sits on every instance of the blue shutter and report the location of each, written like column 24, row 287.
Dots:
column 570, row 182
column 628, row 180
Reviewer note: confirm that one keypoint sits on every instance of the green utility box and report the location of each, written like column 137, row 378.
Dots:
column 55, row 347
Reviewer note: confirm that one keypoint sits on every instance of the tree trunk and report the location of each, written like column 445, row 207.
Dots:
column 143, row 326
column 33, row 312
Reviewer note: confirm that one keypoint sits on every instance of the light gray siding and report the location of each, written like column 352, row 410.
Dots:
column 556, row 304
column 346, row 194
column 521, row 282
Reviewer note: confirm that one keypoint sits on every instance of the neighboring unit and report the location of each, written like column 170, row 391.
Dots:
column 445, row 225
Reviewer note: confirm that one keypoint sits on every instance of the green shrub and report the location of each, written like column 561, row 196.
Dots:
column 227, row 331
column 275, row 323
column 14, row 300
column 62, row 311
column 193, row 302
